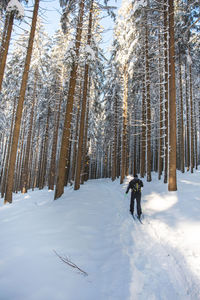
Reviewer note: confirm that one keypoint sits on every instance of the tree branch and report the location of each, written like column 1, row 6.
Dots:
column 70, row 263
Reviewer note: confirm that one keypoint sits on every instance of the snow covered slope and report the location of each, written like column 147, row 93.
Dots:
column 124, row 259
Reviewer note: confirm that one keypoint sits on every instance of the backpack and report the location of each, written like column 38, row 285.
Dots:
column 136, row 185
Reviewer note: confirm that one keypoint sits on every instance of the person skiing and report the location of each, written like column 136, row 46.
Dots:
column 135, row 185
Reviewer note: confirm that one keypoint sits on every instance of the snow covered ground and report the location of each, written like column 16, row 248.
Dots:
column 156, row 260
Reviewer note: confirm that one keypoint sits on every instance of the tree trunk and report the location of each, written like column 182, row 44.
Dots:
column 85, row 146
column 3, row 39
column 124, row 130
column 119, row 153
column 68, row 163
column 172, row 186
column 195, row 143
column 8, row 195
column 187, row 122
column 32, row 152
column 68, row 116
column 191, row 120
column 40, row 163
column 160, row 159
column 127, row 145
column 5, row 175
column 76, row 133
column 83, row 109
column 20, row 152
column 143, row 136
column 166, row 94
column 27, row 154
column 182, row 150
column 52, row 170
column 35, row 166
column 134, row 144
column 5, row 46
column 3, row 157
column 45, row 152
column 148, row 104
column 114, row 148
column 199, row 132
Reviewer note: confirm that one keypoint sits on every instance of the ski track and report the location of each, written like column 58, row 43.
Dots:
column 156, row 265
column 156, row 271
column 116, row 263
column 184, row 275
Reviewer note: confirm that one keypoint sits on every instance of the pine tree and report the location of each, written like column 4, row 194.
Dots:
column 64, row 152
column 83, row 108
column 11, row 13
column 8, row 195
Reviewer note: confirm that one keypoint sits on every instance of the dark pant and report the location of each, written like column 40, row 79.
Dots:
column 136, row 196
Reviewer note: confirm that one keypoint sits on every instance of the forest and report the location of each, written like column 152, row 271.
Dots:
column 69, row 114
column 81, row 114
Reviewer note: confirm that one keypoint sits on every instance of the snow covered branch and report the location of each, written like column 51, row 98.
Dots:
column 16, row 7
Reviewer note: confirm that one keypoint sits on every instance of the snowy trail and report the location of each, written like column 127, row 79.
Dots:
column 180, row 273
column 124, row 259
column 159, row 269
column 106, row 245
column 155, row 268
column 84, row 226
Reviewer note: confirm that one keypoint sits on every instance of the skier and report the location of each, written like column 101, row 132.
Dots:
column 135, row 185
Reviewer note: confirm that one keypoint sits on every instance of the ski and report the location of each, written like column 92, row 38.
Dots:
column 135, row 219
column 140, row 220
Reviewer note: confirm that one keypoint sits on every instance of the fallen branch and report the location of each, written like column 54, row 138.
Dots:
column 70, row 263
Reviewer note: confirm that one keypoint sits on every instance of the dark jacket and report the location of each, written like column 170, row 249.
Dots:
column 135, row 185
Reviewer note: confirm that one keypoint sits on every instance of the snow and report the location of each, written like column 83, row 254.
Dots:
column 70, row 53
column 189, row 59
column 70, row 46
column 124, row 260
column 14, row 5
column 138, row 4
column 90, row 52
